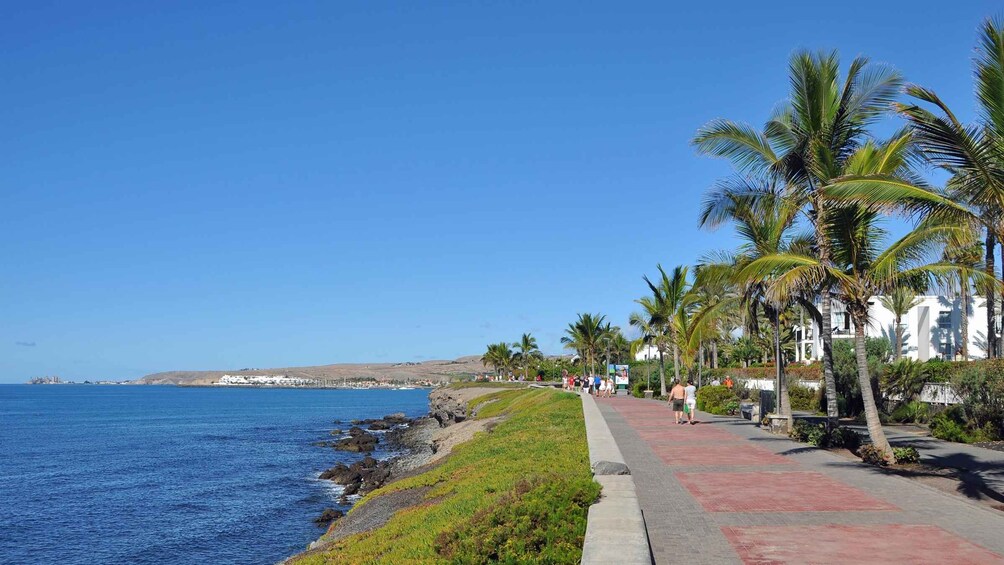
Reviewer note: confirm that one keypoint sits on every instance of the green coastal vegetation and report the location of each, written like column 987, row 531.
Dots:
column 517, row 494
column 809, row 199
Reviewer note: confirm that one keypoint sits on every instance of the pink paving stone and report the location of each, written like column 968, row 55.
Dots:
column 772, row 491
column 720, row 454
column 875, row 544
column 686, row 434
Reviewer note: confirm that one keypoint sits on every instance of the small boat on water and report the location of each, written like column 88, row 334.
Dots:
column 405, row 388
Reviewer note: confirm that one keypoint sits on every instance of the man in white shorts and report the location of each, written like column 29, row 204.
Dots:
column 691, row 400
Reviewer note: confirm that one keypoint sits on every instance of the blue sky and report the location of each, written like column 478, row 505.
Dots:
column 274, row 184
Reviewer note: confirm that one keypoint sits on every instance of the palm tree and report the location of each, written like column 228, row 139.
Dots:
column 498, row 356
column 765, row 220
column 671, row 298
column 899, row 301
column 652, row 324
column 966, row 255
column 806, row 144
column 528, row 351
column 860, row 270
column 584, row 336
column 973, row 155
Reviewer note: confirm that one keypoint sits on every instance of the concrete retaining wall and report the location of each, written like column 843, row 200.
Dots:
column 615, row 531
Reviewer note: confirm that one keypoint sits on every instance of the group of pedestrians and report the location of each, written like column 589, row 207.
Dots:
column 595, row 385
column 684, row 401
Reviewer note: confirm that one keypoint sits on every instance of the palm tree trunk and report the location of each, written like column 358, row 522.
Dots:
column 875, row 431
column 826, row 339
column 784, row 400
column 964, row 319
column 899, row 337
column 700, row 363
column 826, row 327
column 991, row 297
column 676, row 358
column 714, row 354
column 662, row 374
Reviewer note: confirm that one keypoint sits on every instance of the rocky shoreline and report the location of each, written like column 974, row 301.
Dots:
column 420, row 442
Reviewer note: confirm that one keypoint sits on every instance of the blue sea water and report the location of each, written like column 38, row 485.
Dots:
column 156, row 474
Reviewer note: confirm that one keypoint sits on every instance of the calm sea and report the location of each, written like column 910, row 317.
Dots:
column 151, row 474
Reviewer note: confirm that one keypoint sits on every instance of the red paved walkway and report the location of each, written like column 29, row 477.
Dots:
column 775, row 503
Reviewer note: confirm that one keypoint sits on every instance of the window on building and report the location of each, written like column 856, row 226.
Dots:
column 945, row 319
column 946, row 350
column 847, row 321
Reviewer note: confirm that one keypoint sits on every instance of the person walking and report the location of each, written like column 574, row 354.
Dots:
column 676, row 398
column 690, row 400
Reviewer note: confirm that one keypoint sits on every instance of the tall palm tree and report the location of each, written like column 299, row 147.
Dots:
column 973, row 154
column 900, row 300
column 584, row 336
column 653, row 326
column 806, row 143
column 765, row 221
column 671, row 296
column 965, row 254
column 528, row 352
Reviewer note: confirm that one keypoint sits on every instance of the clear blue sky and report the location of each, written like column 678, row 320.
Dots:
column 270, row 184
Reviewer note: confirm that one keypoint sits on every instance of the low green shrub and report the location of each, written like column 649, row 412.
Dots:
column 802, row 398
column 639, row 389
column 526, row 525
column 905, row 378
column 819, row 436
column 914, row 411
column 906, row 454
column 846, row 438
column 981, row 387
column 717, row 399
column 950, row 425
column 873, row 455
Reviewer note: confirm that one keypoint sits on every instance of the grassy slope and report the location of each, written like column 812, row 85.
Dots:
column 517, row 494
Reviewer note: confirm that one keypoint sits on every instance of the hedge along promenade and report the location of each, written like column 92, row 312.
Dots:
column 519, row 493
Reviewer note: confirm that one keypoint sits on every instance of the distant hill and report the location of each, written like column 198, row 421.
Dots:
column 433, row 370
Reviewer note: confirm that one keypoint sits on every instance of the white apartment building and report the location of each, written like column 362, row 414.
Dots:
column 932, row 329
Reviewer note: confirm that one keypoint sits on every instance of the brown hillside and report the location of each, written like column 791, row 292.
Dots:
column 433, row 370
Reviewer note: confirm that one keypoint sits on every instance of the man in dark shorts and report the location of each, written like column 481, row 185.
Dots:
column 676, row 397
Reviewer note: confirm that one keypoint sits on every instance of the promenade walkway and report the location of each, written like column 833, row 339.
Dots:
column 724, row 491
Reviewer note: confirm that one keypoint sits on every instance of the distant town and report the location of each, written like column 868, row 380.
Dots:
column 54, row 380
column 296, row 382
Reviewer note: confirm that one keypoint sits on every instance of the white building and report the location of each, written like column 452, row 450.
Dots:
column 647, row 353
column 264, row 380
column 931, row 330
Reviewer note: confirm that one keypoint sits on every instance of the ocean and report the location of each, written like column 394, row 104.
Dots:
column 158, row 474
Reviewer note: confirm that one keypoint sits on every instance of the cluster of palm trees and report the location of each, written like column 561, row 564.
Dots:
column 807, row 196
column 507, row 358
column 593, row 338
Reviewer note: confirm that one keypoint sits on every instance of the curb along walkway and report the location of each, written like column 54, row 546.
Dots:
column 723, row 491
column 615, row 526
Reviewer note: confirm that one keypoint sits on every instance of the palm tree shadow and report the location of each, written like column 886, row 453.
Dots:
column 960, row 467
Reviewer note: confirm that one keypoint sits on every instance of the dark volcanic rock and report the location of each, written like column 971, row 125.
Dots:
column 329, row 515
column 351, row 488
column 447, row 409
column 336, row 432
column 396, row 418
column 380, row 425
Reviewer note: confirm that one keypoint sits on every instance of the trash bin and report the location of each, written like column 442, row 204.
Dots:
column 766, row 402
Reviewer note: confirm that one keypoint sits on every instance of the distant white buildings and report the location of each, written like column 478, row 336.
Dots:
column 931, row 330
column 264, row 380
